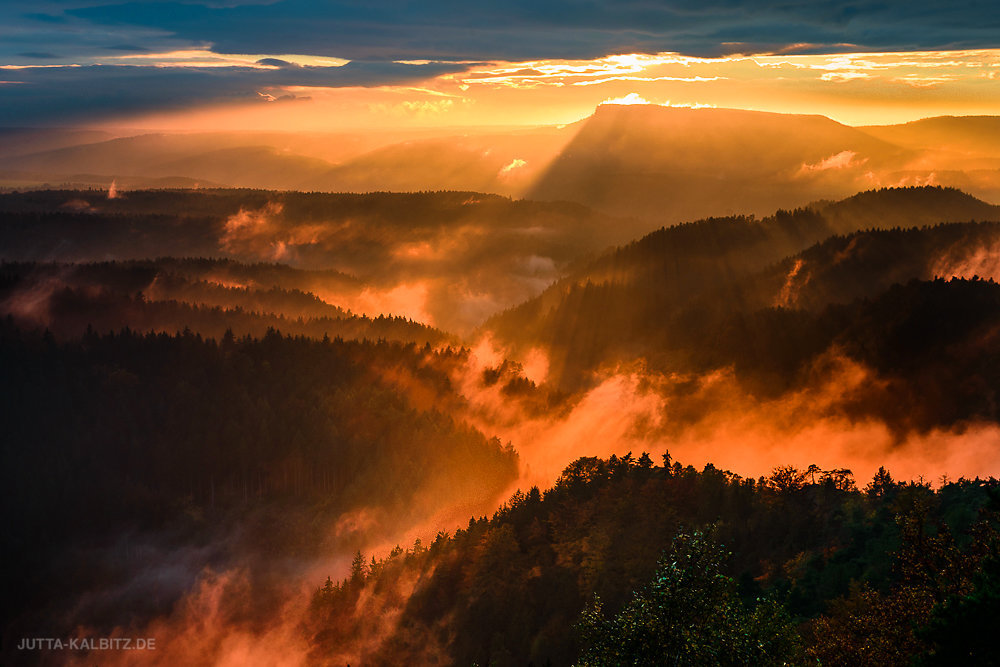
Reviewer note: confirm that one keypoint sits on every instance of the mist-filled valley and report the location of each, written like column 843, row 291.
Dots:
column 713, row 384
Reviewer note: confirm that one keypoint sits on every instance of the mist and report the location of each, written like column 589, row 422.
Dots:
column 298, row 424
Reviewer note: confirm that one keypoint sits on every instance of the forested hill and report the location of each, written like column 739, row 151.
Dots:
column 905, row 207
column 130, row 462
column 319, row 230
column 171, row 461
column 797, row 567
column 686, row 282
column 449, row 259
column 207, row 296
column 864, row 264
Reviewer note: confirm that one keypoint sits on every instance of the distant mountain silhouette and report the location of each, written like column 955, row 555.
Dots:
column 505, row 162
column 960, row 151
column 905, row 207
column 665, row 165
column 23, row 140
column 975, row 136
column 193, row 157
column 673, row 164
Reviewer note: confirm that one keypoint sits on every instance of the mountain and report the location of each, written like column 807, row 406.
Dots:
column 484, row 161
column 20, row 141
column 905, row 207
column 671, row 164
column 665, row 296
column 205, row 445
column 448, row 259
column 148, row 458
column 504, row 164
column 212, row 159
column 960, row 151
column 864, row 264
column 972, row 137
column 663, row 164
column 247, row 167
column 213, row 298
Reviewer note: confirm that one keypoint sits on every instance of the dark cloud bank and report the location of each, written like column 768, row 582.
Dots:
column 558, row 28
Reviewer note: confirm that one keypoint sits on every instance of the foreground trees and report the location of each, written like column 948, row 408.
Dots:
column 690, row 614
column 121, row 450
column 625, row 562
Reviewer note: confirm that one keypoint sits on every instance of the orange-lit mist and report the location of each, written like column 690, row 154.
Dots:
column 983, row 261
column 628, row 410
column 723, row 424
column 208, row 627
column 790, row 290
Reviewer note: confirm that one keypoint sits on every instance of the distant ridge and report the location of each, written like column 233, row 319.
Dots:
column 662, row 164
column 685, row 280
column 977, row 135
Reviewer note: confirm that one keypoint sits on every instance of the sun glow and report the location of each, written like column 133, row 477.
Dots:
column 853, row 88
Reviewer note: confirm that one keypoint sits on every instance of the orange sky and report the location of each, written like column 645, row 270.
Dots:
column 854, row 88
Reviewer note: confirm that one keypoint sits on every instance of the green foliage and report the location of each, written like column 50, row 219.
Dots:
column 818, row 570
column 869, row 628
column 962, row 630
column 940, row 604
column 689, row 615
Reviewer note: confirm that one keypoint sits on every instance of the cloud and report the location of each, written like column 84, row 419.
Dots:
column 681, row 50
column 631, row 98
column 514, row 164
column 496, row 29
column 982, row 261
column 841, row 160
column 843, row 77
column 276, row 62
column 38, row 55
column 53, row 95
column 924, row 81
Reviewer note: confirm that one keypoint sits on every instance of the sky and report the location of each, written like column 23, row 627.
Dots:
column 333, row 65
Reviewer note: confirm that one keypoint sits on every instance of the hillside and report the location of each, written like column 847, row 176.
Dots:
column 671, row 164
column 483, row 161
column 799, row 561
column 213, row 298
column 447, row 259
column 664, row 164
column 863, row 264
column 210, row 437
column 682, row 283
column 245, row 452
column 905, row 207
column 160, row 156
column 23, row 140
column 973, row 137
